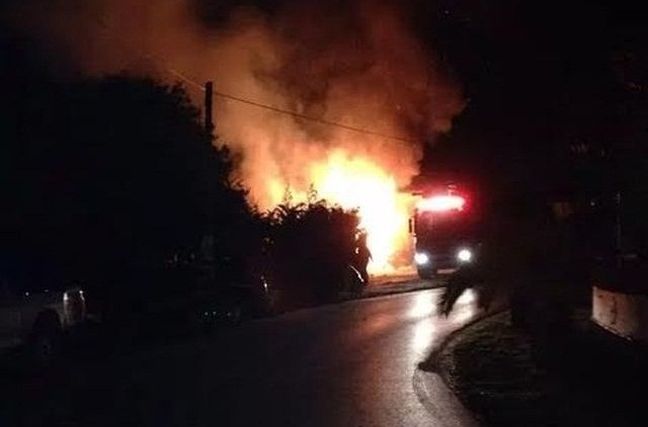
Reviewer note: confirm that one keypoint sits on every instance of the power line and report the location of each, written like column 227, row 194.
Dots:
column 321, row 121
column 278, row 110
column 310, row 118
column 185, row 78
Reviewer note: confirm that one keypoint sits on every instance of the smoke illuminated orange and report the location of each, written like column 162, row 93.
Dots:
column 361, row 67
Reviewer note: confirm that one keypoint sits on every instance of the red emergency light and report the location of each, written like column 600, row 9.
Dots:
column 442, row 203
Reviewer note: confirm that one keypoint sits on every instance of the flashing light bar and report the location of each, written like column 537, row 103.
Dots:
column 442, row 203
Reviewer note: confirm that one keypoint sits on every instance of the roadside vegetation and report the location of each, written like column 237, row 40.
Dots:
column 502, row 375
column 312, row 250
column 115, row 185
column 543, row 250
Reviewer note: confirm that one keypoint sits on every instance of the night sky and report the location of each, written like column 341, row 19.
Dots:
column 539, row 77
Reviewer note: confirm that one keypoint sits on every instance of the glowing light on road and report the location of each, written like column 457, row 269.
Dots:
column 423, row 305
column 423, row 337
column 467, row 297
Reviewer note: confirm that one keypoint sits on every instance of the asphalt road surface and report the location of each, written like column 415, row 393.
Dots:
column 350, row 364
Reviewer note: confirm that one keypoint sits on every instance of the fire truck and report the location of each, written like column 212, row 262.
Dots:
column 445, row 229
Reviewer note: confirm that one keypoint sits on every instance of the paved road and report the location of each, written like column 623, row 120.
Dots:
column 351, row 364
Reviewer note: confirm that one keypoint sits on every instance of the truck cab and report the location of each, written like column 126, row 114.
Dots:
column 445, row 228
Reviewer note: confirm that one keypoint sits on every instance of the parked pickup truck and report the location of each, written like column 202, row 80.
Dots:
column 36, row 317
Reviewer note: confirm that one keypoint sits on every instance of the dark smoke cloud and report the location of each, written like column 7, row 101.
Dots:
column 352, row 62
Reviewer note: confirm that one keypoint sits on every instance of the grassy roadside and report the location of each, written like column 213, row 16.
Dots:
column 587, row 378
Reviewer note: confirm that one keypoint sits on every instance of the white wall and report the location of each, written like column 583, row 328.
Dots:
column 625, row 315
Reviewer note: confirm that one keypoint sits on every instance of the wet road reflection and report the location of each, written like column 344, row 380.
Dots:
column 432, row 327
column 347, row 364
column 424, row 304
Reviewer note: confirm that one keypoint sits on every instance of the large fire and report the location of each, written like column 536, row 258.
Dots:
column 373, row 91
column 358, row 183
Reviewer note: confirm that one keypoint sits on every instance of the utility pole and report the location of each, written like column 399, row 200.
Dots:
column 207, row 245
column 209, row 96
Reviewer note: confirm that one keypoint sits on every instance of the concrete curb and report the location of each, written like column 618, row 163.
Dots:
column 437, row 398
column 431, row 363
column 431, row 384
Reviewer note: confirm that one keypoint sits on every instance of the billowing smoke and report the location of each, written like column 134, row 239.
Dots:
column 355, row 63
column 360, row 67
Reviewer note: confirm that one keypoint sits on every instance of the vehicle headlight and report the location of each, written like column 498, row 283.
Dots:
column 421, row 258
column 464, row 255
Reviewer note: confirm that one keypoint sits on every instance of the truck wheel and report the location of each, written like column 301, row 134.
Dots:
column 426, row 274
column 45, row 341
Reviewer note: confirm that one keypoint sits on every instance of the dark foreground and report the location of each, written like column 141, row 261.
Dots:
column 587, row 378
column 346, row 364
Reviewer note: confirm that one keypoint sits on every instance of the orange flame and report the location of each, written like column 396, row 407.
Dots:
column 358, row 183
column 361, row 66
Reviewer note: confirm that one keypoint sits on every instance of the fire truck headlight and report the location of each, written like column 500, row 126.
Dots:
column 421, row 258
column 464, row 255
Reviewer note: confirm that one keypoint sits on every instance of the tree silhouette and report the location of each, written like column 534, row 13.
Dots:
column 115, row 175
column 312, row 245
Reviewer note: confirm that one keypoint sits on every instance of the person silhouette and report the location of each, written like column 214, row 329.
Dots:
column 363, row 256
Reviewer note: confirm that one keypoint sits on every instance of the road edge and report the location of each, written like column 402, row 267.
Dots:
column 431, row 363
column 431, row 385
column 440, row 401
column 395, row 291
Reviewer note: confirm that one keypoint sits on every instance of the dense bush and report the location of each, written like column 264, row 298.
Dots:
column 109, row 179
column 311, row 246
column 115, row 182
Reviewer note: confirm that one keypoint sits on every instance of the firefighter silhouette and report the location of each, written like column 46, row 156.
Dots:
column 362, row 256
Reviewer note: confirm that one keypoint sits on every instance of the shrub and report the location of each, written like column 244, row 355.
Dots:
column 311, row 246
